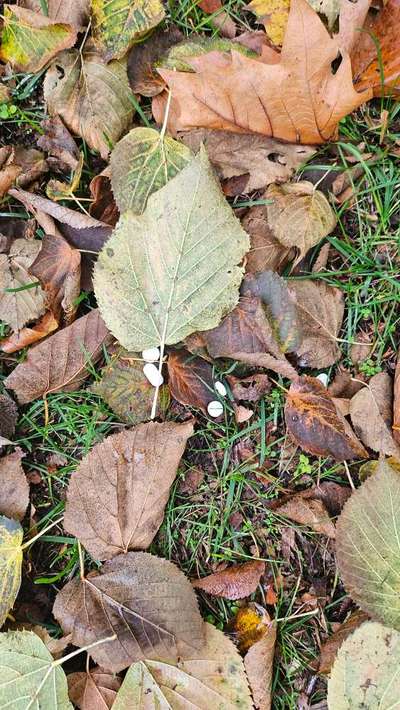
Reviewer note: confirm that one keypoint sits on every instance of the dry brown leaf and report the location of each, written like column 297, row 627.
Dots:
column 296, row 99
column 8, row 416
column 145, row 600
column 314, row 423
column 117, row 496
column 235, row 582
column 266, row 252
column 250, row 624
column 396, row 402
column 361, row 348
column 332, row 495
column 371, row 415
column 29, row 335
column 76, row 12
column 62, row 361
column 259, row 663
column 18, row 307
column 95, row 690
column 310, row 512
column 249, row 389
column 142, row 74
column 351, row 20
column 367, row 64
column 57, row 141
column 332, row 644
column 14, row 487
column 190, row 380
column 344, row 385
column 56, row 646
column 103, row 206
column 21, row 166
column 321, row 309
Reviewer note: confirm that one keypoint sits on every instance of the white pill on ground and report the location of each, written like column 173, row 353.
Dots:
column 323, row 377
column 220, row 388
column 151, row 354
column 153, row 375
column 215, row 408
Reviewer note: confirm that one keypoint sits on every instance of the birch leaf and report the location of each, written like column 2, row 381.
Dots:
column 173, row 270
column 118, row 24
column 11, row 535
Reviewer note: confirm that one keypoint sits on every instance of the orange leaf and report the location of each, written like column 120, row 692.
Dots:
column 235, row 582
column 190, row 380
column 29, row 335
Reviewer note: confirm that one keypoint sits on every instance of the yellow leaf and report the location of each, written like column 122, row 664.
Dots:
column 11, row 535
column 273, row 14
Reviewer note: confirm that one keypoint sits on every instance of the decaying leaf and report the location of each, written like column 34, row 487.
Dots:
column 118, row 24
column 103, row 206
column 213, row 677
column 249, row 389
column 331, row 646
column 190, row 380
column 142, row 74
column 30, row 40
column 142, row 162
column 266, row 253
column 362, row 347
column 14, row 487
column 273, row 14
column 180, row 256
column 259, row 663
column 29, row 673
column 21, row 166
column 308, row 511
column 315, row 424
column 379, row 71
column 235, row 582
column 366, row 670
column 62, row 361
column 8, row 416
column 367, row 550
column 11, row 534
column 95, row 690
column 396, row 402
column 117, row 496
column 250, row 624
column 371, row 415
column 63, row 157
column 92, row 97
column 27, row 336
column 20, row 305
column 145, row 600
column 76, row 13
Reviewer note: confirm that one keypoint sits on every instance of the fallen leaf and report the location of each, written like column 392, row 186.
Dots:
column 27, row 336
column 116, row 26
column 296, row 98
column 58, row 268
column 21, row 305
column 396, row 402
column 371, row 415
column 332, row 495
column 273, row 14
column 329, row 8
column 30, row 40
column 95, row 690
column 56, row 646
column 250, row 625
column 266, row 253
column 235, row 582
column 310, row 512
column 142, row 162
column 259, row 663
column 176, row 58
column 117, row 496
column 103, row 206
column 242, row 414
column 174, row 257
column 362, row 347
column 265, row 160
column 21, row 166
column 379, row 72
column 332, row 644
column 249, row 389
column 142, row 61
column 14, row 487
column 11, row 534
column 314, row 423
column 190, row 380
column 61, row 362
column 220, row 19
column 76, row 13
column 145, row 600
column 63, row 156
column 92, row 97
column 213, row 675
column 320, row 308
column 344, row 385
column 366, row 545
column 8, row 416
column 351, row 20
column 366, row 669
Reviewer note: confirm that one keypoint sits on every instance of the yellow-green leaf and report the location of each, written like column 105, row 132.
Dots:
column 118, row 24
column 30, row 40
column 11, row 535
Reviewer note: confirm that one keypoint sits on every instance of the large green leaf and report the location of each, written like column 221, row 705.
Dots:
column 30, row 678
column 173, row 270
column 141, row 163
column 366, row 673
column 11, row 535
column 368, row 545
column 117, row 24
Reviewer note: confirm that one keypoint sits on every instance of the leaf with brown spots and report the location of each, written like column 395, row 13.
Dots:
column 259, row 664
column 235, row 582
column 314, row 423
column 14, row 487
column 94, row 690
column 371, row 415
column 190, row 380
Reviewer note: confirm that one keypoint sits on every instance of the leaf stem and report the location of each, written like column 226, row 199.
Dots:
column 42, row 532
column 60, row 661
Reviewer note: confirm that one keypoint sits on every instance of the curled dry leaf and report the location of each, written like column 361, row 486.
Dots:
column 11, row 534
column 117, row 496
column 379, row 71
column 249, row 389
column 29, row 335
column 371, row 415
column 14, row 487
column 332, row 644
column 21, row 166
column 235, row 582
column 310, row 512
column 62, row 361
column 314, row 423
column 8, row 416
column 116, row 26
column 95, row 690
column 259, row 665
column 20, row 305
column 146, row 601
column 103, row 206
column 190, row 380
column 142, row 74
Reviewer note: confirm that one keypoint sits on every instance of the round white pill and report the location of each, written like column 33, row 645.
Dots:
column 153, row 375
column 215, row 409
column 220, row 389
column 323, row 377
column 151, row 355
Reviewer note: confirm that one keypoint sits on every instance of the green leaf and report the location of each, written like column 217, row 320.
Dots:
column 143, row 162
column 365, row 673
column 30, row 678
column 30, row 40
column 173, row 270
column 118, row 24
column 367, row 545
column 11, row 535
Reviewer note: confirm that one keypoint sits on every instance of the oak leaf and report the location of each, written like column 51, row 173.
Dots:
column 235, row 582
column 21, row 298
column 259, row 665
column 118, row 24
column 371, row 415
column 190, row 380
column 11, row 534
column 95, row 690
column 373, row 69
column 14, row 487
column 145, row 600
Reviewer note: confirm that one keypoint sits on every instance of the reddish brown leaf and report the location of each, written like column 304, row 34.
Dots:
column 209, row 6
column 235, row 582
column 190, row 380
column 331, row 646
column 396, row 402
column 95, row 690
column 142, row 73
column 315, row 425
column 59, row 144
column 103, row 206
column 259, row 663
column 266, row 252
column 27, row 336
column 249, row 389
column 381, row 30
column 308, row 511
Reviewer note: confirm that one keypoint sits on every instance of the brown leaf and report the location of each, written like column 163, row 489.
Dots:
column 381, row 31
column 310, row 512
column 221, row 20
column 361, row 349
column 249, row 389
column 351, row 19
column 14, row 488
column 56, row 646
column 266, row 252
column 76, row 13
column 371, row 415
column 190, row 380
column 61, row 362
column 19, row 306
column 235, row 582
column 321, row 309
column 296, row 99
column 95, row 690
column 21, row 166
column 117, row 496
column 344, row 385
column 331, row 646
column 8, row 416
column 314, row 423
column 142, row 74
column 146, row 601
column 332, row 495
column 76, row 220
column 103, row 206
column 29, row 335
column 259, row 662
column 396, row 402
column 59, row 144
